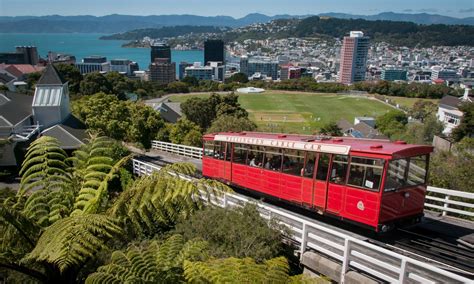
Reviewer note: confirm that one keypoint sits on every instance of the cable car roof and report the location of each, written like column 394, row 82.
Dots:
column 326, row 144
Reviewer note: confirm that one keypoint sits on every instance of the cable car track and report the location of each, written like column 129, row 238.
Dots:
column 440, row 250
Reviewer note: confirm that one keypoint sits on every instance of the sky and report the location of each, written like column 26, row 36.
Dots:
column 234, row 8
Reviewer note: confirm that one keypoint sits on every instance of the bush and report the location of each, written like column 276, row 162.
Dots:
column 239, row 232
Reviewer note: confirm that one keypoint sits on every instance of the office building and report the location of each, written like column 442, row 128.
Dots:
column 393, row 74
column 182, row 69
column 288, row 72
column 214, row 71
column 354, row 52
column 93, row 64
column 444, row 74
column 199, row 72
column 123, row 66
column 94, row 59
column 214, row 51
column 22, row 55
column 160, row 51
column 162, row 71
column 262, row 65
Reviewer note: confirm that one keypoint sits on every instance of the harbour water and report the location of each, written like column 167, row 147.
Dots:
column 82, row 45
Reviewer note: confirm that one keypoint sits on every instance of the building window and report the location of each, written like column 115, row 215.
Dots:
column 452, row 119
column 366, row 173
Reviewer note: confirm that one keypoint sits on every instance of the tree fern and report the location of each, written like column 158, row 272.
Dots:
column 152, row 263
column 93, row 170
column 69, row 242
column 156, row 202
column 235, row 270
column 44, row 166
column 44, row 174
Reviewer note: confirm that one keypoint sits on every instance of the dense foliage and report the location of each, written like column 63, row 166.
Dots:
column 121, row 120
column 240, row 232
column 466, row 127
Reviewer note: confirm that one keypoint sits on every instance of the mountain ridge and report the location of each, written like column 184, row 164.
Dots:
column 115, row 23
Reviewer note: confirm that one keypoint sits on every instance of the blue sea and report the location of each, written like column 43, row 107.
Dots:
column 82, row 45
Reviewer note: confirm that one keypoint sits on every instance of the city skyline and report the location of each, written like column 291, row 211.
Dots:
column 461, row 9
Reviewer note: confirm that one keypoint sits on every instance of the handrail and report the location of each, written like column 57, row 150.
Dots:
column 181, row 150
column 350, row 251
column 442, row 200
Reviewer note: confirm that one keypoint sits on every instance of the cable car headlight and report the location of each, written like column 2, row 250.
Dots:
column 406, row 195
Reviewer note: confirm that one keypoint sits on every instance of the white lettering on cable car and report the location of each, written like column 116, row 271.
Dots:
column 297, row 145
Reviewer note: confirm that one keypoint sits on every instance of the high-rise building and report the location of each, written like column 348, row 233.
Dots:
column 123, row 66
column 162, row 71
column 353, row 58
column 22, row 55
column 214, row 71
column 214, row 51
column 160, row 51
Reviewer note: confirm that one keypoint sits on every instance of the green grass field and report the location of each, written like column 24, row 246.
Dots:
column 302, row 112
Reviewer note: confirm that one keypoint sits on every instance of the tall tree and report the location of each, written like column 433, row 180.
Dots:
column 95, row 83
column 466, row 127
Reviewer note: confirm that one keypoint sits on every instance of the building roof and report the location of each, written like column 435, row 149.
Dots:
column 344, row 125
column 5, row 78
column 50, row 77
column 450, row 101
column 16, row 108
column 170, row 112
column 71, row 134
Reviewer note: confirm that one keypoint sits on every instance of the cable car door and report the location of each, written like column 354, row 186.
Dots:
column 336, row 185
column 227, row 165
column 321, row 181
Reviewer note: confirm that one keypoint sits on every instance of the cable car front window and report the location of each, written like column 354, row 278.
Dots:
column 406, row 172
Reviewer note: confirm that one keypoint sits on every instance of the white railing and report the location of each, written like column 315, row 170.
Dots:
column 182, row 150
column 442, row 200
column 353, row 253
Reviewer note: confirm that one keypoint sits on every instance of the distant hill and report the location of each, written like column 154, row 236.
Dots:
column 122, row 23
column 396, row 33
column 165, row 32
column 421, row 18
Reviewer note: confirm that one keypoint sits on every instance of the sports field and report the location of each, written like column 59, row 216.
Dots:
column 294, row 112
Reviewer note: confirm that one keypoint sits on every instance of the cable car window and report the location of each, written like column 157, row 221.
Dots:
column 272, row 159
column 339, row 169
column 228, row 151
column 293, row 162
column 209, row 148
column 309, row 165
column 417, row 170
column 219, row 150
column 255, row 156
column 240, row 154
column 366, row 173
column 323, row 167
column 396, row 174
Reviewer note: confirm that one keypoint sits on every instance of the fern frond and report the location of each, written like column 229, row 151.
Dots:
column 151, row 263
column 69, row 242
column 234, row 270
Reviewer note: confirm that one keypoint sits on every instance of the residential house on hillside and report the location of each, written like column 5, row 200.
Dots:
column 23, row 118
column 363, row 127
column 449, row 113
column 169, row 111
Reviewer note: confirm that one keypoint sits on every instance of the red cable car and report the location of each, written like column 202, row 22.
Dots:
column 374, row 183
